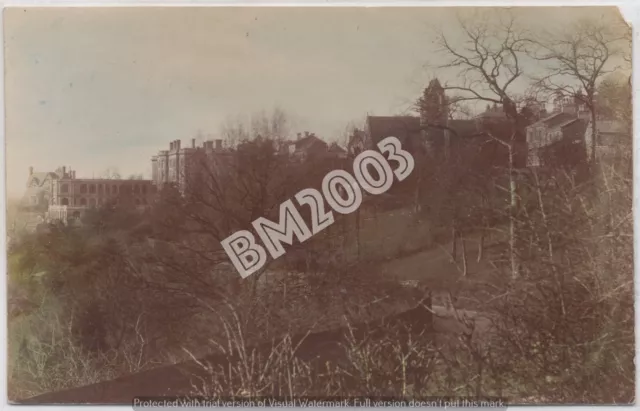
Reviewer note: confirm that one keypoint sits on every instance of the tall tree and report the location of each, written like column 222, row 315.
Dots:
column 577, row 59
column 488, row 61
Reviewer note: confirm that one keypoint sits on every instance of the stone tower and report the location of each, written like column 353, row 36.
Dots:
column 434, row 112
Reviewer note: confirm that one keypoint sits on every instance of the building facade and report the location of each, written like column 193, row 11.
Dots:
column 39, row 188
column 177, row 165
column 59, row 194
column 89, row 192
column 564, row 128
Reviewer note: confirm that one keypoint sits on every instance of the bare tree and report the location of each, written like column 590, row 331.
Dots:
column 274, row 125
column 488, row 61
column 576, row 60
column 111, row 173
column 489, row 64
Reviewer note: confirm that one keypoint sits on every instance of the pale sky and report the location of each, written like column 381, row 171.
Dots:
column 94, row 88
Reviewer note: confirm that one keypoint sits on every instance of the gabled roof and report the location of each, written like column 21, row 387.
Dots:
column 568, row 122
column 39, row 178
column 308, row 142
column 335, row 148
column 556, row 120
column 404, row 126
column 381, row 127
column 464, row 127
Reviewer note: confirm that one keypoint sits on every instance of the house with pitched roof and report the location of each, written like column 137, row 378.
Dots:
column 561, row 129
column 434, row 130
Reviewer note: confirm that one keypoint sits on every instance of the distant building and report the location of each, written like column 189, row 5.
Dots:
column 336, row 151
column 309, row 146
column 404, row 128
column 494, row 112
column 176, row 165
column 613, row 138
column 71, row 196
column 59, row 195
column 564, row 129
column 434, row 131
column 90, row 192
column 40, row 186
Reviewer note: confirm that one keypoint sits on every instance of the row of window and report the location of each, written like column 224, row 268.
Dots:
column 105, row 188
column 95, row 202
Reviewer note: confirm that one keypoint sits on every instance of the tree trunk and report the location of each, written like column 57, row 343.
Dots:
column 481, row 245
column 594, row 136
column 358, row 233
column 464, row 258
column 512, row 215
column 454, row 238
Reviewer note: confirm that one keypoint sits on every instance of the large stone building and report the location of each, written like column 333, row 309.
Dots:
column 60, row 194
column 94, row 192
column 71, row 196
column 177, row 165
column 40, row 186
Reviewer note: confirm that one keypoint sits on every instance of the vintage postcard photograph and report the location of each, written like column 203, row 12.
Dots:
column 319, row 206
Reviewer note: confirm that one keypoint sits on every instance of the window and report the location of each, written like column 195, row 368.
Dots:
column 83, row 189
column 99, row 188
column 136, row 189
column 144, row 189
column 92, row 189
column 92, row 202
column 83, row 201
column 114, row 190
column 65, row 201
column 64, row 188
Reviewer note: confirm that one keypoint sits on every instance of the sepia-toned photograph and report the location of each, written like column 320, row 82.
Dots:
column 319, row 206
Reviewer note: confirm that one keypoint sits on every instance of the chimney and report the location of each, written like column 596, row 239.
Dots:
column 64, row 171
column 193, row 143
column 171, row 146
column 299, row 136
column 31, row 170
column 178, row 145
column 306, row 134
column 218, row 144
